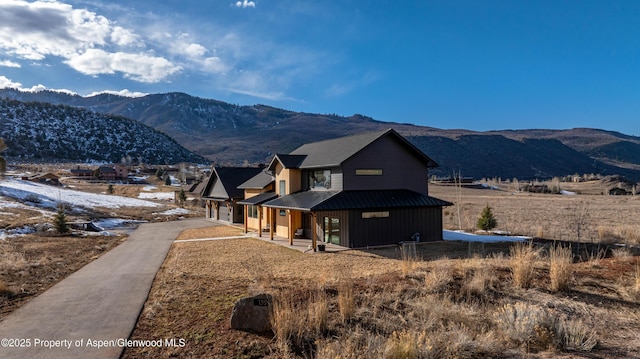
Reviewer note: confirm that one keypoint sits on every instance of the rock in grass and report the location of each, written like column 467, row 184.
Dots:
column 252, row 314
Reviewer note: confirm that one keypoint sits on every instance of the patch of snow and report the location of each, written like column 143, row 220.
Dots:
column 568, row 193
column 157, row 195
column 149, row 188
column 174, row 211
column 470, row 237
column 15, row 232
column 111, row 223
column 49, row 196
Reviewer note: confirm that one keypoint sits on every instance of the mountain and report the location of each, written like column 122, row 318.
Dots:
column 231, row 134
column 46, row 132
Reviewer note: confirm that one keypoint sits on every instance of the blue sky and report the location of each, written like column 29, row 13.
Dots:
column 480, row 65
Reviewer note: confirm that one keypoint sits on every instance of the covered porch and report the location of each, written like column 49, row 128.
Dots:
column 292, row 217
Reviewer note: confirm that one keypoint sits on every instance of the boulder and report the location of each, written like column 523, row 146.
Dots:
column 252, row 313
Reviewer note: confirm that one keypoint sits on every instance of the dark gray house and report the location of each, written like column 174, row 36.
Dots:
column 356, row 191
column 221, row 193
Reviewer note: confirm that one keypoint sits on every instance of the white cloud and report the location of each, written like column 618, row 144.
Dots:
column 84, row 39
column 7, row 63
column 123, row 37
column 125, row 93
column 245, row 4
column 7, row 83
column 194, row 50
column 138, row 67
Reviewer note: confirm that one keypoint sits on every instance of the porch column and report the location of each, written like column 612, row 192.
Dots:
column 246, row 218
column 272, row 220
column 314, row 235
column 290, row 225
column 259, row 221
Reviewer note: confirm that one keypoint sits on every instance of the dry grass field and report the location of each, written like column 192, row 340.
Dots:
column 515, row 302
column 31, row 264
column 604, row 218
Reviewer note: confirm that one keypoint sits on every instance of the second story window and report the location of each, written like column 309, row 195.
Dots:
column 283, row 187
column 369, row 172
column 320, row 179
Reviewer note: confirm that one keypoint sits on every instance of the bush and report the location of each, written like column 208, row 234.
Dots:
column 487, row 221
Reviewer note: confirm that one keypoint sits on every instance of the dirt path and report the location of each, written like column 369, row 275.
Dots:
column 91, row 313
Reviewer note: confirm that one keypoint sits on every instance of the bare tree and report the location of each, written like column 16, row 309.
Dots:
column 579, row 221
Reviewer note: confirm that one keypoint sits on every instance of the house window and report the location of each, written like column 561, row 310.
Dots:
column 283, row 187
column 379, row 214
column 369, row 172
column 332, row 230
column 252, row 211
column 283, row 212
column 320, row 179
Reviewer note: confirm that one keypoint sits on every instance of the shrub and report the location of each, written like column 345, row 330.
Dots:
column 487, row 221
column 560, row 269
column 575, row 336
column 522, row 262
column 526, row 325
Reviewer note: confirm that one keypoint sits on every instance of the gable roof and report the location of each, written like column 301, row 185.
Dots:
column 230, row 178
column 332, row 153
column 259, row 181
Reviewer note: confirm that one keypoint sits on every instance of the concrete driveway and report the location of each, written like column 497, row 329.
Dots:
column 93, row 311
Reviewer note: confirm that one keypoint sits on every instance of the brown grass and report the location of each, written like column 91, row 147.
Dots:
column 560, row 267
column 523, row 257
column 391, row 315
column 210, row 232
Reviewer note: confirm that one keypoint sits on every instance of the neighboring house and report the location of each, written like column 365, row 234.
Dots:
column 221, row 193
column 192, row 191
column 357, row 191
column 257, row 190
column 107, row 173
column 45, row 178
column 81, row 172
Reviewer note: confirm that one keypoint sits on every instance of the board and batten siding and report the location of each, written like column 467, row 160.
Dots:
column 401, row 167
column 343, row 216
column 401, row 224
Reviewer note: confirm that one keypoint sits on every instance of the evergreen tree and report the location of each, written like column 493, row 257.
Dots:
column 60, row 220
column 159, row 173
column 167, row 181
column 487, row 221
column 110, row 189
column 182, row 197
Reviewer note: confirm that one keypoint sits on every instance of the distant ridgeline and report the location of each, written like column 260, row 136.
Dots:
column 56, row 133
column 232, row 135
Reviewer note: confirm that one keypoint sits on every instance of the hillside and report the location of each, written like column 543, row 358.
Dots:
column 232, row 134
column 45, row 132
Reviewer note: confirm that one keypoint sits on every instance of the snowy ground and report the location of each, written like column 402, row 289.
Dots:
column 43, row 198
column 470, row 237
column 48, row 196
column 164, row 196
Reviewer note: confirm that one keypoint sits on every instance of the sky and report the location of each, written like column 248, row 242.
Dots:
column 477, row 64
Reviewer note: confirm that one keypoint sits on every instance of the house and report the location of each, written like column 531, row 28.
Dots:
column 44, row 178
column 356, row 191
column 221, row 193
column 257, row 190
column 81, row 172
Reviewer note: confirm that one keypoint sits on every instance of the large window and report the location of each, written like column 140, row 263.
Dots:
column 320, row 179
column 332, row 230
column 283, row 187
